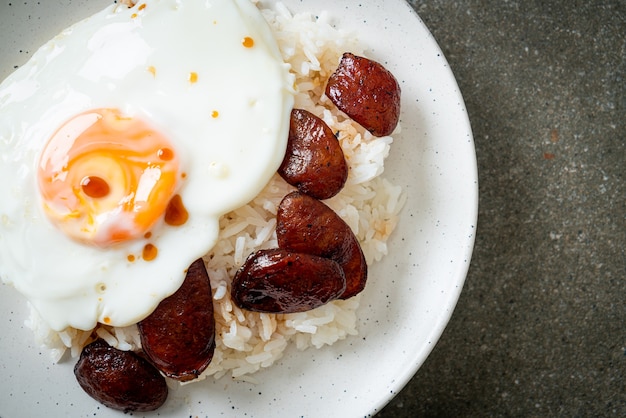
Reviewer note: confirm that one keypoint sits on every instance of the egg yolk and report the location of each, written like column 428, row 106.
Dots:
column 106, row 178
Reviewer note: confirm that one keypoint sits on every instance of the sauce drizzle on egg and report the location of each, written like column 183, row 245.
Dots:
column 150, row 252
column 176, row 214
column 248, row 42
column 94, row 186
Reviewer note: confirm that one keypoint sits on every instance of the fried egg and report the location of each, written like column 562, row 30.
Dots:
column 123, row 141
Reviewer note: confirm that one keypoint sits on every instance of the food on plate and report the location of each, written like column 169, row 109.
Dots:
column 306, row 225
column 179, row 335
column 120, row 379
column 281, row 281
column 314, row 161
column 220, row 130
column 367, row 92
column 145, row 120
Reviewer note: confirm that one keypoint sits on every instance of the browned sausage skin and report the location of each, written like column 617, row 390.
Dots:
column 306, row 225
column 314, row 161
column 179, row 336
column 280, row 281
column 119, row 379
column 367, row 92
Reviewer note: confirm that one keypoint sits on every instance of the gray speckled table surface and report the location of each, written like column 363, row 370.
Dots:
column 540, row 328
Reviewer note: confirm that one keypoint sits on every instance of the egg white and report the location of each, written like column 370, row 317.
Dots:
column 140, row 60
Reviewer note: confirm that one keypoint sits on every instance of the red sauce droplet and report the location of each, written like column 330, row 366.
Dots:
column 165, row 154
column 107, row 320
column 131, row 258
column 176, row 214
column 248, row 42
column 147, row 235
column 141, row 7
column 95, row 187
column 150, row 252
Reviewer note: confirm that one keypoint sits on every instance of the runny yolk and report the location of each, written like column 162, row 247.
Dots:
column 106, row 178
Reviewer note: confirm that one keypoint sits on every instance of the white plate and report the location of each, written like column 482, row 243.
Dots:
column 410, row 295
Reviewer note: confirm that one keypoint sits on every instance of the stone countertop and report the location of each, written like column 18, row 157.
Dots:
column 540, row 328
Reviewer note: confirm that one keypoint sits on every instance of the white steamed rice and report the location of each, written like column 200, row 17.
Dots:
column 246, row 341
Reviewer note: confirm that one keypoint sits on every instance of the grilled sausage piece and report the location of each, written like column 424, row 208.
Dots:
column 279, row 281
column 306, row 225
column 179, row 336
column 314, row 161
column 119, row 379
column 367, row 92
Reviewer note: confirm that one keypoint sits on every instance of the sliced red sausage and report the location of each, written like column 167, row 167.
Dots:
column 306, row 225
column 280, row 281
column 119, row 379
column 179, row 336
column 314, row 161
column 367, row 92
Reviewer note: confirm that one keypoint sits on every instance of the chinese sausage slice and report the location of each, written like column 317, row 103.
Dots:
column 179, row 336
column 367, row 92
column 281, row 281
column 306, row 225
column 314, row 161
column 119, row 379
